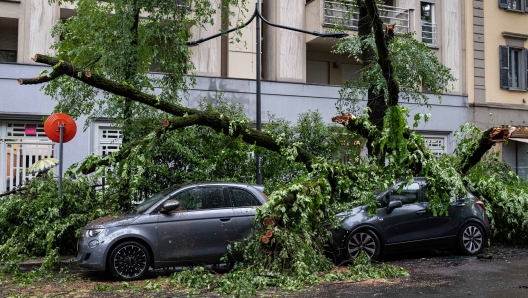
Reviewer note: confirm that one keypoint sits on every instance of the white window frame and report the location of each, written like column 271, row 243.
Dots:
column 434, row 149
column 97, row 143
column 430, row 33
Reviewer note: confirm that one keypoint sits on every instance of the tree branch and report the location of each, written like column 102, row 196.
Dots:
column 489, row 138
column 40, row 79
column 212, row 119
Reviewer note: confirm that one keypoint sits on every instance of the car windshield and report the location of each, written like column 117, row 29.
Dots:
column 154, row 199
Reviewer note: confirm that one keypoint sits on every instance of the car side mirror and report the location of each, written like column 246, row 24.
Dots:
column 393, row 205
column 169, row 205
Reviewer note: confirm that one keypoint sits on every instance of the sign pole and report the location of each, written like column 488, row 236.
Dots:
column 61, row 129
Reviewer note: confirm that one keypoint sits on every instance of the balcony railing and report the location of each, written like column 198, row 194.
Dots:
column 337, row 13
column 429, row 33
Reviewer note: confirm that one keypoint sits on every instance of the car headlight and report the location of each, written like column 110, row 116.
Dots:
column 94, row 232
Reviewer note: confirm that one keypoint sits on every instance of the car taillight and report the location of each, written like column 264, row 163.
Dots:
column 265, row 196
column 481, row 204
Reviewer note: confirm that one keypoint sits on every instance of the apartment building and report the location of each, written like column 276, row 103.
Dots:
column 299, row 72
column 497, row 64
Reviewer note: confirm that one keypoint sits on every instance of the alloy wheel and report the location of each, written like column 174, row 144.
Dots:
column 472, row 239
column 130, row 261
column 362, row 242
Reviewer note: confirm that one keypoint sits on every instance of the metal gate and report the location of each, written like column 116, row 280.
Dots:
column 21, row 144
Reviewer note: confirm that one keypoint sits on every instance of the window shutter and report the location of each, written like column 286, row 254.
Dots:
column 526, row 65
column 504, row 54
column 503, row 3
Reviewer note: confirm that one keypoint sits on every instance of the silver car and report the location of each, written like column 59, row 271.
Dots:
column 182, row 225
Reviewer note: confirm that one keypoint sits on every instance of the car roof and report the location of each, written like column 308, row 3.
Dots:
column 256, row 186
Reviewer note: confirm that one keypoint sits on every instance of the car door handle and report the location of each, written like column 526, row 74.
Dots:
column 225, row 219
column 420, row 211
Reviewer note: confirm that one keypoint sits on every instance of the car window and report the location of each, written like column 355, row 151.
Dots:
column 200, row 198
column 242, row 198
column 154, row 199
column 409, row 194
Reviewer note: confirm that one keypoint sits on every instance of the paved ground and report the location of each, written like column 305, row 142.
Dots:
column 502, row 272
column 499, row 272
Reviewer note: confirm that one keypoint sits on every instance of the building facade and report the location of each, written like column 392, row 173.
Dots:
column 497, row 63
column 299, row 72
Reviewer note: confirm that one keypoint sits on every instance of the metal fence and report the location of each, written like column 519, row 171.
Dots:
column 346, row 14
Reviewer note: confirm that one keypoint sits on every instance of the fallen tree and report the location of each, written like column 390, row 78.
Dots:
column 302, row 210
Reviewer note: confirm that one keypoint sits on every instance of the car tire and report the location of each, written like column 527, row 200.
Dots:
column 364, row 240
column 129, row 261
column 471, row 239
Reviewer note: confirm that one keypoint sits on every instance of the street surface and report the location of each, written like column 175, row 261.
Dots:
column 498, row 272
column 503, row 272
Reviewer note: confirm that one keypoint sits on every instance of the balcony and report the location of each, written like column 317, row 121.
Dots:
column 337, row 13
column 429, row 33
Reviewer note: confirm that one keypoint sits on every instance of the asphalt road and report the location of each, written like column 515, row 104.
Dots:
column 498, row 272
column 502, row 273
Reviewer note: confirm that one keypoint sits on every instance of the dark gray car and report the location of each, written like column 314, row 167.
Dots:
column 403, row 223
column 183, row 225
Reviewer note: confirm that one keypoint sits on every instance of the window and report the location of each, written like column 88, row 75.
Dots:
column 8, row 56
column 317, row 72
column 519, row 5
column 408, row 194
column 8, row 39
column 108, row 138
column 201, row 198
column 242, row 198
column 436, row 145
column 427, row 15
column 513, row 68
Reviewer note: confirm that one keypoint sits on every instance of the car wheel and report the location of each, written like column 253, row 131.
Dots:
column 471, row 239
column 129, row 261
column 365, row 241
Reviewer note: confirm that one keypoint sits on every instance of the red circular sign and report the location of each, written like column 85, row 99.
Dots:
column 51, row 127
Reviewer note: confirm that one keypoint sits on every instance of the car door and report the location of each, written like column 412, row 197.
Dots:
column 199, row 230
column 444, row 228
column 244, row 207
column 404, row 226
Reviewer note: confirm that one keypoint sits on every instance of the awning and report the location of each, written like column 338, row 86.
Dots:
column 519, row 140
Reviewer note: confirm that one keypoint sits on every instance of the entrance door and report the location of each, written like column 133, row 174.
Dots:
column 21, row 145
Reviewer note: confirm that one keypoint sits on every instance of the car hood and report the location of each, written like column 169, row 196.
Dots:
column 351, row 212
column 112, row 221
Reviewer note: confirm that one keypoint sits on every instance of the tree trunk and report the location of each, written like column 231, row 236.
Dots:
column 376, row 102
column 130, row 71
